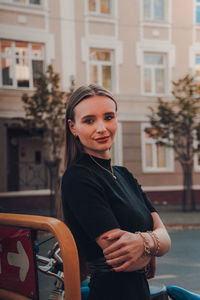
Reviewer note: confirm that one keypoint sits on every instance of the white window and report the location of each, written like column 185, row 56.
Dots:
column 197, row 11
column 154, row 10
column 26, row 2
column 197, row 157
column 21, row 64
column 100, row 64
column 155, row 157
column 197, row 73
column 100, row 7
column 197, row 161
column 154, row 73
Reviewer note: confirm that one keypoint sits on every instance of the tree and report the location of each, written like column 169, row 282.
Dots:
column 45, row 110
column 176, row 124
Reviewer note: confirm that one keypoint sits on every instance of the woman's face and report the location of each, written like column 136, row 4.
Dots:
column 95, row 124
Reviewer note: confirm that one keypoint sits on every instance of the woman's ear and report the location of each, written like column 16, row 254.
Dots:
column 72, row 127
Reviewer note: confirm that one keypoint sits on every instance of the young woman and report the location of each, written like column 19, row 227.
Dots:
column 115, row 226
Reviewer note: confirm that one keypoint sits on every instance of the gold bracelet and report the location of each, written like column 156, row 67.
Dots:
column 147, row 250
column 156, row 242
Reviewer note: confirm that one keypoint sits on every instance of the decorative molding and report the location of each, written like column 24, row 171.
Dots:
column 110, row 19
column 46, row 192
column 132, row 117
column 68, row 44
column 22, row 19
column 12, row 113
column 159, row 46
column 118, row 146
column 167, row 188
column 15, row 33
column 24, row 9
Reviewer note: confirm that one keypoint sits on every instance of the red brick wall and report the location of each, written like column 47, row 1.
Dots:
column 21, row 204
column 170, row 197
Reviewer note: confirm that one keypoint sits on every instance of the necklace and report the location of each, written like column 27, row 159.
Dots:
column 111, row 173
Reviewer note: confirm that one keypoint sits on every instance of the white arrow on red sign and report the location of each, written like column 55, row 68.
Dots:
column 20, row 260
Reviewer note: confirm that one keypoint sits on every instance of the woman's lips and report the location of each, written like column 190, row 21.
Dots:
column 102, row 139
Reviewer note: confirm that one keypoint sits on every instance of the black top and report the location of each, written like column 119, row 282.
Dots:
column 94, row 202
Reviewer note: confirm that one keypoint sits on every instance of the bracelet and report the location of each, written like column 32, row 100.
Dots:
column 147, row 250
column 156, row 242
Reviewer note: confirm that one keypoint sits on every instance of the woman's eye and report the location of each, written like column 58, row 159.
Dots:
column 89, row 121
column 108, row 118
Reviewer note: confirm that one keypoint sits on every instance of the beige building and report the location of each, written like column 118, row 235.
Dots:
column 134, row 48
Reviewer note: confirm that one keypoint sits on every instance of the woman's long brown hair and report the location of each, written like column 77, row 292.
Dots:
column 73, row 146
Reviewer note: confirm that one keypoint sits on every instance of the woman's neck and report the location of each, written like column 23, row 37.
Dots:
column 103, row 155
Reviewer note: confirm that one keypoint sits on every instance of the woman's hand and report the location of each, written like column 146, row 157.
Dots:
column 125, row 252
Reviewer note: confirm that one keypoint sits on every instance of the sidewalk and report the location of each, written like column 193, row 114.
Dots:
column 173, row 216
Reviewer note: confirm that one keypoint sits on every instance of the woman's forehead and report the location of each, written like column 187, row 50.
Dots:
column 95, row 104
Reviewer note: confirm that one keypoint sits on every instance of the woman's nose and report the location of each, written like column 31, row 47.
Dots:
column 101, row 127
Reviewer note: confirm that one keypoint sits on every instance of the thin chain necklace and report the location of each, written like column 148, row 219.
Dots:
column 111, row 173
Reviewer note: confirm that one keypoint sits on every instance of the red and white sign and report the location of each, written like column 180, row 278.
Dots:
column 17, row 264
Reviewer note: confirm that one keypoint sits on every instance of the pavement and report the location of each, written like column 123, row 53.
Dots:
column 173, row 216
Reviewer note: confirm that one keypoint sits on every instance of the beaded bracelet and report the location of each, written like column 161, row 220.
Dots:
column 156, row 242
column 147, row 250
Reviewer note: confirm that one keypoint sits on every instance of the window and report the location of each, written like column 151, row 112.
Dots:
column 155, row 157
column 197, row 73
column 100, row 7
column 21, row 64
column 197, row 157
column 101, row 67
column 27, row 2
column 154, row 10
column 197, row 11
column 154, row 73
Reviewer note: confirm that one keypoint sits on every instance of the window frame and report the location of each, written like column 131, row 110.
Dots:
column 97, row 12
column 99, row 65
column 152, row 17
column 152, row 68
column 155, row 169
column 197, row 4
column 196, row 165
column 26, row 3
column 197, row 78
column 29, row 57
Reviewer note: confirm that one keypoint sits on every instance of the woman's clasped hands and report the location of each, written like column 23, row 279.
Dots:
column 125, row 252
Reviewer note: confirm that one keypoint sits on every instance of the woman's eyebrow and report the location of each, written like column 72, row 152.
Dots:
column 110, row 113
column 94, row 116
column 88, row 116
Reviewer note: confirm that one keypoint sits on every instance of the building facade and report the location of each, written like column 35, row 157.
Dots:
column 133, row 48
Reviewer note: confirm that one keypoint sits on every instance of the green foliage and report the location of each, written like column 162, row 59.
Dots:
column 45, row 110
column 177, row 121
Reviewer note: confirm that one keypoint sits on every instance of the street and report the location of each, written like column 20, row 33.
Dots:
column 181, row 266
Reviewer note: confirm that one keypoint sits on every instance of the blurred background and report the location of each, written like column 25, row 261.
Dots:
column 133, row 48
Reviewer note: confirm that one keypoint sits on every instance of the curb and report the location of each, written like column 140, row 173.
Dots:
column 182, row 226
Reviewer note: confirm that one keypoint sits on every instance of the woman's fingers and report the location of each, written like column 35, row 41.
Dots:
column 113, row 247
column 116, row 261
column 113, row 235
column 117, row 253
